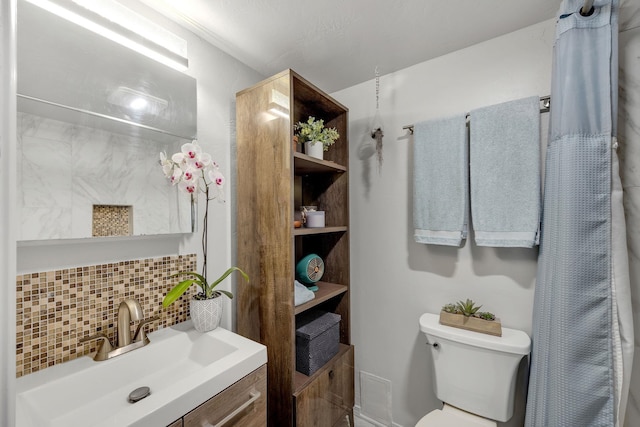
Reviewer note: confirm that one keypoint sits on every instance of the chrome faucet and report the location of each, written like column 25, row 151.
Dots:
column 128, row 311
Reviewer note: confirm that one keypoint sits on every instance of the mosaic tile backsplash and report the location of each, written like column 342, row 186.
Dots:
column 56, row 308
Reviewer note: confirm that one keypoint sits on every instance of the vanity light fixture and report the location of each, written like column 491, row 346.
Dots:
column 110, row 19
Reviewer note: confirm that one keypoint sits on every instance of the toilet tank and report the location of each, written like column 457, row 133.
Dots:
column 473, row 371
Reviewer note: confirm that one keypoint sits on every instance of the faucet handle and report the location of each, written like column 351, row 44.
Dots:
column 141, row 331
column 104, row 345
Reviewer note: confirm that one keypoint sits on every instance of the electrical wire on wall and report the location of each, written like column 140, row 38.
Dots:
column 377, row 132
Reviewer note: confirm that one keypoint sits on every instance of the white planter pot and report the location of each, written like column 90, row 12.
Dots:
column 314, row 150
column 206, row 314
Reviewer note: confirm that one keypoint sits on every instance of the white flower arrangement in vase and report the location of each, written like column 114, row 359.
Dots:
column 194, row 171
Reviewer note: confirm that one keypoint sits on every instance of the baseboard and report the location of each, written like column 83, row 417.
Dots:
column 358, row 414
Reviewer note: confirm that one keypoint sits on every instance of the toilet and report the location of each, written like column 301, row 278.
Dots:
column 474, row 374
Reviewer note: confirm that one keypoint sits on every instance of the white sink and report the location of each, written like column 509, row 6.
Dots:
column 182, row 367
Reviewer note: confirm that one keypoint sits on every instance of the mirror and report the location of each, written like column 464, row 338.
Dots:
column 93, row 117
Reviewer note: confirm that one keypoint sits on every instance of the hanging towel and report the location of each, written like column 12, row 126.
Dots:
column 505, row 173
column 440, row 184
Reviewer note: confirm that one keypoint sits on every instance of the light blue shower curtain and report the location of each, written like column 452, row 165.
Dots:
column 578, row 356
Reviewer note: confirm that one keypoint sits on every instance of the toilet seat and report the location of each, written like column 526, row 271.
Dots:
column 449, row 416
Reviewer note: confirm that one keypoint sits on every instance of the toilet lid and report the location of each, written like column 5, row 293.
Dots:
column 439, row 418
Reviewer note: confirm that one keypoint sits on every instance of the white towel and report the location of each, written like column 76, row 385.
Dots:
column 301, row 294
column 440, row 185
column 505, row 173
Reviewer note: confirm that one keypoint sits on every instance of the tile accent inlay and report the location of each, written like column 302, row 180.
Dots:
column 112, row 220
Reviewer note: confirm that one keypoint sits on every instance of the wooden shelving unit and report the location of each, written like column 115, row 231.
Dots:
column 274, row 179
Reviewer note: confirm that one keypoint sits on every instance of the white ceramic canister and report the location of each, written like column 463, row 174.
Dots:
column 315, row 219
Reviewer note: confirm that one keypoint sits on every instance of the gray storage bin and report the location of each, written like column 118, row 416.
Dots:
column 317, row 340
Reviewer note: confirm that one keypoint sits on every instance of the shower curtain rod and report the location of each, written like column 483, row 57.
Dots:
column 546, row 106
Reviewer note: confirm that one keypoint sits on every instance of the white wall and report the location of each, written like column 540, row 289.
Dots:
column 394, row 280
column 7, row 214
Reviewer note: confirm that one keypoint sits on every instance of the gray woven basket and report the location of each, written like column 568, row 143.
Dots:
column 317, row 340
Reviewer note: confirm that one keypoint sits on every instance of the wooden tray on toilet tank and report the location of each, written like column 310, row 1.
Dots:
column 475, row 324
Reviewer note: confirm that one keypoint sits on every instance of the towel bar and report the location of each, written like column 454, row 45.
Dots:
column 544, row 108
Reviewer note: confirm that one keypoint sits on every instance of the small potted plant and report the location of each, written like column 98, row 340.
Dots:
column 316, row 136
column 194, row 172
column 467, row 315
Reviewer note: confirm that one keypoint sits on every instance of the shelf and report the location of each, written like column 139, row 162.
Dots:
column 325, row 292
column 308, row 164
column 300, row 380
column 325, row 230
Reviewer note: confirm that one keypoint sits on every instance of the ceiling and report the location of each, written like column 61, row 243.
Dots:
column 339, row 43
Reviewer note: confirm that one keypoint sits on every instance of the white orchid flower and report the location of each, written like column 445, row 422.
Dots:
column 188, row 186
column 190, row 169
column 190, row 174
column 216, row 177
column 175, row 176
column 191, row 150
column 202, row 161
column 167, row 168
column 167, row 165
column 178, row 158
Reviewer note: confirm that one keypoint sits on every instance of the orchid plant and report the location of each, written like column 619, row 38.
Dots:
column 194, row 171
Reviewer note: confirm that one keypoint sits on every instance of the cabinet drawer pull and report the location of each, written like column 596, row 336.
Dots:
column 254, row 395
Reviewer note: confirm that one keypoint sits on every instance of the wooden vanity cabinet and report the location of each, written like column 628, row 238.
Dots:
column 243, row 404
column 274, row 179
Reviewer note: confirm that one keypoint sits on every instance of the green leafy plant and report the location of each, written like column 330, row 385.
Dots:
column 314, row 131
column 207, row 289
column 450, row 308
column 468, row 308
column 485, row 315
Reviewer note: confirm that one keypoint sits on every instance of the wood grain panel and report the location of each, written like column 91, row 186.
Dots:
column 265, row 216
column 225, row 403
column 329, row 396
column 177, row 423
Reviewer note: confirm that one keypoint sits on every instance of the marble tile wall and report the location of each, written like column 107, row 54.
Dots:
column 629, row 138
column 54, row 309
column 64, row 169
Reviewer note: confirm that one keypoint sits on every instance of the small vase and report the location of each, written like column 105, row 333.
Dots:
column 206, row 313
column 314, row 149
